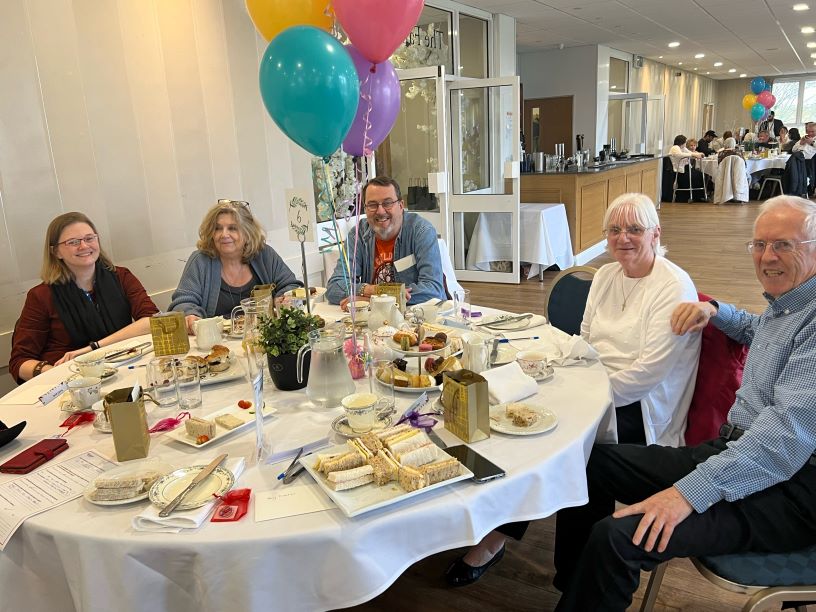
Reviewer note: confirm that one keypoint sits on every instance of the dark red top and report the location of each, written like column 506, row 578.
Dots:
column 40, row 334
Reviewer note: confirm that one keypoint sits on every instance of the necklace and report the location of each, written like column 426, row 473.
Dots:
column 627, row 295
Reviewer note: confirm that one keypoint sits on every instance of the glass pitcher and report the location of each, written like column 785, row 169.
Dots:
column 247, row 315
column 329, row 376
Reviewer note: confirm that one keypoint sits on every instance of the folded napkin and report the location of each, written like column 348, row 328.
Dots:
column 508, row 383
column 149, row 519
column 561, row 348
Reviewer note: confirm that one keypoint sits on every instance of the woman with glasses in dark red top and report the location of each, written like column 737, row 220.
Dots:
column 83, row 303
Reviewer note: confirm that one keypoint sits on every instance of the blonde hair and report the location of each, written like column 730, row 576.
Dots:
column 54, row 271
column 639, row 208
column 251, row 230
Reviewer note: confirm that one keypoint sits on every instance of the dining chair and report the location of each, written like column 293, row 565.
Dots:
column 769, row 578
column 567, row 298
column 448, row 272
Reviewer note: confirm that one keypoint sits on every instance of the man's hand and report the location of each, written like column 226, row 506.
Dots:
column 71, row 354
column 662, row 512
column 691, row 316
column 190, row 319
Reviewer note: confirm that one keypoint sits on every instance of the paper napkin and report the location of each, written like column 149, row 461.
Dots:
column 508, row 383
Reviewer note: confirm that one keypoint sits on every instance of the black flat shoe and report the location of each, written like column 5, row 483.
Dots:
column 462, row 574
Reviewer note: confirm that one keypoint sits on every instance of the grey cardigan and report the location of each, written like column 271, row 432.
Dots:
column 197, row 291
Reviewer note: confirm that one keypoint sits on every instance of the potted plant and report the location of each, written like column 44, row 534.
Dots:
column 280, row 337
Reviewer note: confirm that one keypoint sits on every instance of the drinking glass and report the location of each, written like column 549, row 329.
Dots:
column 461, row 304
column 161, row 381
column 383, row 386
column 189, row 383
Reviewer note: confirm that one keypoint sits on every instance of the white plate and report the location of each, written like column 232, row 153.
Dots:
column 106, row 373
column 499, row 421
column 166, row 488
column 127, row 357
column 394, row 346
column 545, row 375
column 370, row 497
column 127, row 469
column 180, row 433
column 233, row 372
column 341, row 426
column 317, row 296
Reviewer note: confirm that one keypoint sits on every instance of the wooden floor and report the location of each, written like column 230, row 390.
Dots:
column 708, row 242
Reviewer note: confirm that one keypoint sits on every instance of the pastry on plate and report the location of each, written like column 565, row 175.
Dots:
column 521, row 415
column 411, row 336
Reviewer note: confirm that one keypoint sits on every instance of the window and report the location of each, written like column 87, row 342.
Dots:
column 472, row 46
column 809, row 102
column 618, row 75
column 787, row 101
column 429, row 43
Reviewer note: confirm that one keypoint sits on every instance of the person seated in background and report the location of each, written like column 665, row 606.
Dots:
column 681, row 156
column 394, row 247
column 763, row 141
column 749, row 139
column 793, row 140
column 783, row 137
column 729, row 148
column 691, row 144
column 806, row 142
column 628, row 320
column 704, row 146
column 717, row 143
column 232, row 257
column 84, row 302
column 751, row 489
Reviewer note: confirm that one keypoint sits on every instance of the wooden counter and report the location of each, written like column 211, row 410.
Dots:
column 587, row 194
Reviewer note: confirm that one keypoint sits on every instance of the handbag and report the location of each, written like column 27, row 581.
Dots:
column 34, row 456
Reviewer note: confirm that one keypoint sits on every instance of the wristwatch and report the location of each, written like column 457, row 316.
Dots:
column 715, row 304
column 361, row 289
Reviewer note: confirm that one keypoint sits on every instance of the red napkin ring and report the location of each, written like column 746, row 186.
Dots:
column 233, row 506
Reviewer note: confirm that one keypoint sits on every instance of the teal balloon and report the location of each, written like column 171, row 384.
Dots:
column 757, row 111
column 310, row 88
column 758, row 85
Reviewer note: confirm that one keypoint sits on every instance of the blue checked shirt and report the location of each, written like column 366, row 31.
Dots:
column 776, row 403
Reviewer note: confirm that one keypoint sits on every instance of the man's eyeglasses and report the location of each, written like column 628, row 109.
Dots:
column 634, row 231
column 779, row 246
column 373, row 205
column 90, row 240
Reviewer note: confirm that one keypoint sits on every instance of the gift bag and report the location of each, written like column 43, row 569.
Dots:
column 128, row 420
column 419, row 197
column 169, row 331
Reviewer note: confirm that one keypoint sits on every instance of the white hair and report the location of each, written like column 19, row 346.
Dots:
column 638, row 207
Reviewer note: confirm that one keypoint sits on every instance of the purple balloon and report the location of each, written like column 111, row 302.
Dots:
column 384, row 89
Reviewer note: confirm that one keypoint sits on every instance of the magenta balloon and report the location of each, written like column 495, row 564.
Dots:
column 766, row 98
column 377, row 27
column 384, row 89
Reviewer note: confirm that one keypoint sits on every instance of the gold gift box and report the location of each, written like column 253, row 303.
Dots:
column 395, row 289
column 466, row 406
column 169, row 331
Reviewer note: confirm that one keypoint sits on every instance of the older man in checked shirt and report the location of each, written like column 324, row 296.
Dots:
column 751, row 489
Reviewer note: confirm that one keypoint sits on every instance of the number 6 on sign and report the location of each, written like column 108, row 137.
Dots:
column 299, row 218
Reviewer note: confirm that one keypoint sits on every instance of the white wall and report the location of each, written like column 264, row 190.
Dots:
column 567, row 72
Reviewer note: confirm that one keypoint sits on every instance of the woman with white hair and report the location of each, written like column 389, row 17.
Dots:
column 729, row 148
column 628, row 320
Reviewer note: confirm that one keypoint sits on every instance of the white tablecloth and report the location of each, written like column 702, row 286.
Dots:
column 709, row 164
column 545, row 239
column 84, row 557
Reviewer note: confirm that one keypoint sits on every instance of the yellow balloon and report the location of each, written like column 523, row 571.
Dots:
column 271, row 17
column 748, row 100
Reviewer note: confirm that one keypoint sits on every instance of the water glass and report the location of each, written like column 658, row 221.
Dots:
column 161, row 381
column 461, row 305
column 383, row 387
column 189, row 383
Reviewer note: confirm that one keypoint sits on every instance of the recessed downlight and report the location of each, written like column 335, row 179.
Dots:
column 699, row 56
column 808, row 30
column 679, row 63
column 674, row 44
column 811, row 45
column 732, row 70
column 708, row 73
column 717, row 64
column 743, row 75
column 800, row 7
column 659, row 57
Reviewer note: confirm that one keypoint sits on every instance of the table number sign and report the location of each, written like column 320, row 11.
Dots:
column 301, row 229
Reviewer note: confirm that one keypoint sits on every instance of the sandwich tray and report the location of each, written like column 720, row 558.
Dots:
column 179, row 434
column 366, row 498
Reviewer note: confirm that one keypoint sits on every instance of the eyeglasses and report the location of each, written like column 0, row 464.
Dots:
column 90, row 239
column 634, row 231
column 234, row 203
column 779, row 246
column 373, row 205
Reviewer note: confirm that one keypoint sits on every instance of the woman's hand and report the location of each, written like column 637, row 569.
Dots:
column 190, row 319
column 71, row 354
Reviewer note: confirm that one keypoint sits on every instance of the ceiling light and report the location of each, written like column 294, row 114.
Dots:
column 695, row 68
column 699, row 56
column 708, row 73
column 659, row 57
column 743, row 75
column 800, row 7
column 679, row 63
column 733, row 70
column 811, row 45
column 717, row 64
column 808, row 30
column 677, row 44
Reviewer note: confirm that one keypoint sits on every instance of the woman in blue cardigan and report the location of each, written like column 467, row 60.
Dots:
column 231, row 258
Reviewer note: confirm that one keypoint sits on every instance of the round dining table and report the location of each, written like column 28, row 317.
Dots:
column 81, row 556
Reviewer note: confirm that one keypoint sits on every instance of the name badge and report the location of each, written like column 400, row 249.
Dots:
column 403, row 264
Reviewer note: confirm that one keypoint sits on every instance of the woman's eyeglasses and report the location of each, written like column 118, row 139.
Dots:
column 90, row 240
column 234, row 203
column 633, row 231
column 779, row 246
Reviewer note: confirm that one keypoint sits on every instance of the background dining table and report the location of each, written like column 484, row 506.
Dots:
column 81, row 556
column 709, row 165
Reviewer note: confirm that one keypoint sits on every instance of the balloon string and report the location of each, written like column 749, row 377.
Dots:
column 365, row 94
column 361, row 173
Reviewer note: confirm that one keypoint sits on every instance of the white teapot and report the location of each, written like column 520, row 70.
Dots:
column 384, row 311
column 208, row 332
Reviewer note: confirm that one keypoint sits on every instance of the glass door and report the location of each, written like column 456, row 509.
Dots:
column 483, row 178
column 654, row 126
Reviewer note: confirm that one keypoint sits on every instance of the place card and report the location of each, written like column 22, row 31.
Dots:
column 290, row 500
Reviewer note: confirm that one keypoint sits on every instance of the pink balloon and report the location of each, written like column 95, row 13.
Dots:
column 377, row 27
column 766, row 99
column 384, row 89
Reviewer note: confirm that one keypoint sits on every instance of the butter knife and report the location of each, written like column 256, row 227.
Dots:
column 494, row 352
column 116, row 354
column 195, row 482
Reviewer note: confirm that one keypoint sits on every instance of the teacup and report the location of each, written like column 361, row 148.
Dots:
column 360, row 411
column 428, row 312
column 91, row 364
column 85, row 391
column 533, row 363
column 359, row 310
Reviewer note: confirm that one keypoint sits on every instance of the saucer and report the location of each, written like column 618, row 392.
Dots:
column 341, row 426
column 106, row 373
column 547, row 374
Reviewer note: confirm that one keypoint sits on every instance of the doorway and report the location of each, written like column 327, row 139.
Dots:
column 547, row 122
